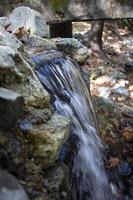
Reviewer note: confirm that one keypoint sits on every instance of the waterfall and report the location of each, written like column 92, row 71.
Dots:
column 71, row 98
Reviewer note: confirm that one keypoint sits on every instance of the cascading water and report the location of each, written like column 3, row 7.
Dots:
column 71, row 98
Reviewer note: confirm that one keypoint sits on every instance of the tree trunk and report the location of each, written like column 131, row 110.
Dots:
column 63, row 30
column 95, row 36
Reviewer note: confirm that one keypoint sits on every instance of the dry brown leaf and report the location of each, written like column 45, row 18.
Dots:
column 22, row 32
column 128, row 133
column 113, row 162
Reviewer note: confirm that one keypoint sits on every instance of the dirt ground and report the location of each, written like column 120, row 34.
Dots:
column 118, row 49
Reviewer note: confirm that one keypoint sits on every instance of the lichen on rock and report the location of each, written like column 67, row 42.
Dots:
column 33, row 139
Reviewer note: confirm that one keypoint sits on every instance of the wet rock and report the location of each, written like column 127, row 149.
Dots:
column 37, row 44
column 48, row 55
column 35, row 142
column 63, row 152
column 73, row 48
column 86, row 76
column 55, row 181
column 8, row 71
column 44, row 140
column 122, row 91
column 16, row 72
column 10, row 189
column 30, row 19
column 45, row 131
column 11, row 105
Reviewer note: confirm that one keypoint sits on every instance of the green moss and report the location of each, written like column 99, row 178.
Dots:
column 58, row 5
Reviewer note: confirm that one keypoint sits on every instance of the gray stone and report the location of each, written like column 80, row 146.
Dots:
column 9, row 72
column 36, row 44
column 122, row 91
column 37, row 115
column 4, row 21
column 34, row 144
column 73, row 48
column 8, row 39
column 10, row 189
column 45, row 140
column 11, row 105
column 29, row 19
column 48, row 55
column 104, row 92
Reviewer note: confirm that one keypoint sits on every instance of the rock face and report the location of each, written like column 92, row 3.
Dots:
column 69, row 46
column 9, row 101
column 16, row 73
column 37, row 44
column 30, row 19
column 10, row 188
column 31, row 133
column 73, row 48
column 8, row 40
column 45, row 141
column 26, row 100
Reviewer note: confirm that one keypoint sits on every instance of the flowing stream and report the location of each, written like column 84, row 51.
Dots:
column 71, row 98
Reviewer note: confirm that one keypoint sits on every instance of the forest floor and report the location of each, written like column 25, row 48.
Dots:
column 111, row 80
column 117, row 69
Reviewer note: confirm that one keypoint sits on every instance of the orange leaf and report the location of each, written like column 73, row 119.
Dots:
column 113, row 162
column 128, row 133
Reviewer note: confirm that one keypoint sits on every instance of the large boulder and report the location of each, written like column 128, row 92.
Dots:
column 45, row 130
column 35, row 44
column 9, row 101
column 73, row 48
column 8, row 39
column 45, row 140
column 17, row 74
column 4, row 21
column 29, row 19
column 31, row 133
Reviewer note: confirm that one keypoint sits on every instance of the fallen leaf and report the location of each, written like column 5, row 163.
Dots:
column 113, row 162
column 22, row 32
column 128, row 133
